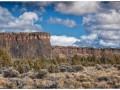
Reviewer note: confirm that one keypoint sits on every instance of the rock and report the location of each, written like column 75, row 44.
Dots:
column 71, row 51
column 37, row 44
column 26, row 45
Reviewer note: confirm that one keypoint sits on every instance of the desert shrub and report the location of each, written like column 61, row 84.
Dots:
column 40, row 64
column 87, row 85
column 29, row 63
column 75, row 60
column 21, row 65
column 53, row 61
column 61, row 60
column 82, row 78
column 11, row 73
column 62, row 69
column 102, row 78
column 53, row 68
column 98, row 67
column 118, row 67
column 5, row 58
column 21, row 69
column 65, row 68
column 42, row 73
column 27, row 67
column 78, row 68
column 50, row 85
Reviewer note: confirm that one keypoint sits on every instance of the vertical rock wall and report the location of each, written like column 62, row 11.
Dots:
column 37, row 44
column 61, row 51
column 26, row 45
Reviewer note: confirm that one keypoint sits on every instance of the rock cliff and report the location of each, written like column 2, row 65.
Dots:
column 37, row 44
column 26, row 45
column 61, row 51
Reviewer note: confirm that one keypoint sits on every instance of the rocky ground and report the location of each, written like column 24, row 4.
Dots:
column 99, row 76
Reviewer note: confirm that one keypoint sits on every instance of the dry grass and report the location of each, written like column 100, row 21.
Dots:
column 90, row 77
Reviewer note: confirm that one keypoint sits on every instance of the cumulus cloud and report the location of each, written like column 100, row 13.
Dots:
column 23, row 10
column 101, row 20
column 87, row 41
column 67, row 22
column 83, row 41
column 109, row 43
column 63, row 40
column 24, row 23
column 38, row 7
column 89, row 37
column 112, row 5
column 5, row 16
column 77, row 7
column 107, row 27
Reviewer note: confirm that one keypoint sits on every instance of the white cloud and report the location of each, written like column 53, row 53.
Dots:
column 111, row 43
column 87, row 41
column 23, row 10
column 77, row 7
column 5, row 16
column 25, row 22
column 67, row 22
column 45, row 3
column 89, row 37
column 114, row 5
column 107, row 27
column 29, row 16
column 63, row 40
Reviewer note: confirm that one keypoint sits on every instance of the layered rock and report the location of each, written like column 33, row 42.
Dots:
column 62, row 51
column 37, row 44
column 26, row 45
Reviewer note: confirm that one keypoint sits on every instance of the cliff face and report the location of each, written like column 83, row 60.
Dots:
column 61, row 51
column 26, row 45
column 33, row 45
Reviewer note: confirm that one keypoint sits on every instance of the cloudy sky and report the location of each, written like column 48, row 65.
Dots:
column 84, row 24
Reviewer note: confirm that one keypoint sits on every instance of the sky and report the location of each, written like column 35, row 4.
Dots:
column 70, row 23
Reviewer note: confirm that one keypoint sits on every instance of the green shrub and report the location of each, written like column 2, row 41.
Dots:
column 53, row 68
column 11, row 73
column 53, row 61
column 21, row 69
column 5, row 58
column 75, row 60
column 40, row 64
column 42, row 73
column 61, row 60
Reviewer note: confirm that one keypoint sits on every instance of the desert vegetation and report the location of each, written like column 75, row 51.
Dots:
column 77, row 72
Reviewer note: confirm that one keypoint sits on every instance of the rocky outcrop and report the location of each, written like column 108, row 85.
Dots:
column 37, row 44
column 26, row 45
column 62, row 51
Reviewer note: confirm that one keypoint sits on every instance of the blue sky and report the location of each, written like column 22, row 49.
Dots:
column 84, row 24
